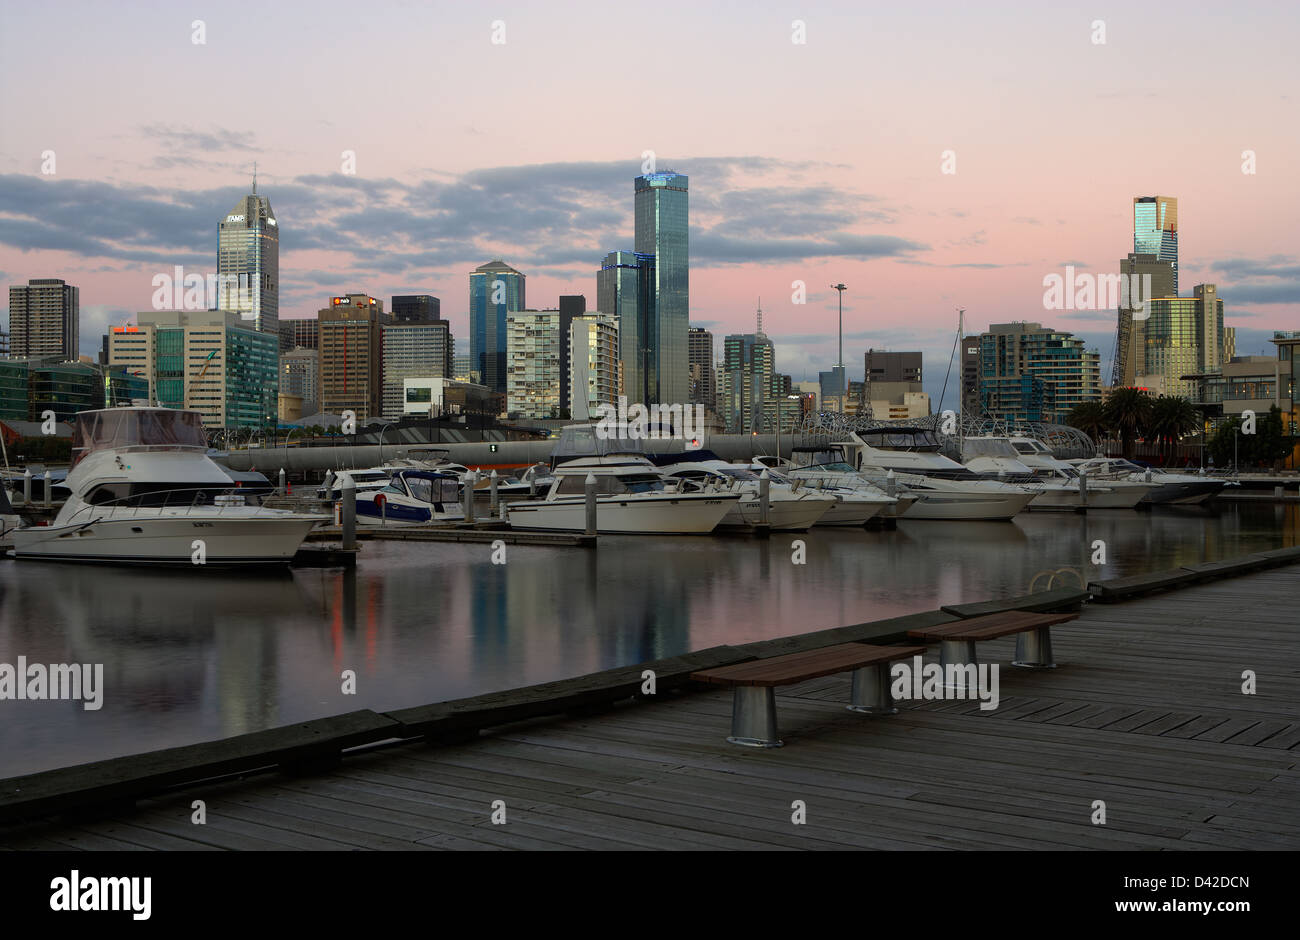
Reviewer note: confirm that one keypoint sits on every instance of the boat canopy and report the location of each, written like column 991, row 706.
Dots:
column 900, row 438
column 987, row 447
column 114, row 428
column 591, row 440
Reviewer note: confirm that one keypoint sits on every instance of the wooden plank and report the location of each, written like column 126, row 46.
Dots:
column 991, row 626
column 809, row 664
column 1053, row 601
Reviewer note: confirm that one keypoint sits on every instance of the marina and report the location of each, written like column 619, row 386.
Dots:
column 1145, row 717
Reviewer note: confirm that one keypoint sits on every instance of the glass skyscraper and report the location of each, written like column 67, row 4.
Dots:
column 495, row 289
column 662, row 224
column 624, row 290
column 248, row 263
column 1155, row 229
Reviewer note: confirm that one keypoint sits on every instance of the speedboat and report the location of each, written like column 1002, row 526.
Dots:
column 144, row 491
column 1175, row 488
column 787, row 510
column 414, row 497
column 996, row 457
column 857, row 498
column 632, row 497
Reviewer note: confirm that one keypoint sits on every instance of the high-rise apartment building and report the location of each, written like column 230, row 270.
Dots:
column 44, row 319
column 351, row 358
column 571, row 306
column 970, row 376
column 1155, row 230
column 1183, row 336
column 593, row 376
column 746, row 381
column 625, row 291
column 248, row 262
column 413, row 350
column 662, row 230
column 495, row 289
column 1029, row 373
column 1147, row 277
column 533, row 373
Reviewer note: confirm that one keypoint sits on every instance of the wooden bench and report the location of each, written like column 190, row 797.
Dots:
column 753, row 712
column 1033, row 637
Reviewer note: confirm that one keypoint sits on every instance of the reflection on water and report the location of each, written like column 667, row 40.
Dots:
column 194, row 656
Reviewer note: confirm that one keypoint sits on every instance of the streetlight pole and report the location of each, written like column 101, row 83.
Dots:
column 840, row 289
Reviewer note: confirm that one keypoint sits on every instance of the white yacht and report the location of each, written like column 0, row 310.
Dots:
column 1178, row 488
column 992, row 456
column 369, row 480
column 632, row 497
column 787, row 510
column 144, row 491
column 857, row 500
column 1108, row 493
column 945, row 488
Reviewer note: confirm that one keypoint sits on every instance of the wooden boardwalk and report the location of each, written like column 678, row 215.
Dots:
column 1146, row 713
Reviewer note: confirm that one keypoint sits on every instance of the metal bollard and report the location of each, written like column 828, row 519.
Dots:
column 891, row 484
column 349, row 511
column 471, row 478
column 589, row 487
column 49, row 487
column 492, row 485
column 532, row 483
column 27, row 486
column 283, row 489
column 1083, row 488
column 328, row 485
column 764, row 497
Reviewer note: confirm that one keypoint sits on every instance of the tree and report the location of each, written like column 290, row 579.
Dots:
column 1172, row 417
column 1266, row 446
column 1128, row 413
column 1090, row 418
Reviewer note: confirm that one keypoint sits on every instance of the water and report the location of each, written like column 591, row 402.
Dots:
column 191, row 656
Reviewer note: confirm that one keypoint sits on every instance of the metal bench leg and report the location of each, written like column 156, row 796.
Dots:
column 871, row 691
column 1034, row 649
column 753, row 717
column 956, row 653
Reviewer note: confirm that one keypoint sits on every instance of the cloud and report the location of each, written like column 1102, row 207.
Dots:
column 186, row 138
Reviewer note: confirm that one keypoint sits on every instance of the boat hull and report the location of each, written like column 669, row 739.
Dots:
column 667, row 515
column 979, row 507
column 783, row 515
column 161, row 540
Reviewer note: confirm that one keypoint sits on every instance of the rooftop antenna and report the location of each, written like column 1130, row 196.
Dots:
column 254, row 177
column 760, row 316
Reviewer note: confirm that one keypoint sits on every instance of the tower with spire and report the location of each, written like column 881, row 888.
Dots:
column 248, row 261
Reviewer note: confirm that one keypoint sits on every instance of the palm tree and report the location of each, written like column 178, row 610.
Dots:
column 1172, row 417
column 1128, row 412
column 1090, row 418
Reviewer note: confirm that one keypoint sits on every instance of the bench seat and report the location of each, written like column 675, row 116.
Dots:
column 1033, row 638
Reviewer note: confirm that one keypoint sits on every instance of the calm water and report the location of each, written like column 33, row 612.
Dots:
column 193, row 656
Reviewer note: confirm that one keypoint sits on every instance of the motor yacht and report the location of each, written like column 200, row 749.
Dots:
column 142, row 490
column 1110, row 493
column 787, row 510
column 633, row 497
column 824, row 472
column 1177, row 488
column 413, row 497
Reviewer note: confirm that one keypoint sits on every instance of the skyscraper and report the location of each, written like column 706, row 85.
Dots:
column 1147, row 277
column 662, row 230
column 44, row 319
column 416, row 308
column 495, row 289
column 248, row 262
column 701, row 366
column 624, row 290
column 351, row 359
column 413, row 350
column 1155, row 230
column 1184, row 336
column 571, row 306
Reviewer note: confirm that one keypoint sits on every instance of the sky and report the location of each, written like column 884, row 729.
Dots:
column 931, row 157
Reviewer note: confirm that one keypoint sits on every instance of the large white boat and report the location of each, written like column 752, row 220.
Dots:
column 1107, row 493
column 144, row 491
column 787, row 510
column 1180, row 488
column 945, row 488
column 857, row 500
column 994, row 456
column 632, row 498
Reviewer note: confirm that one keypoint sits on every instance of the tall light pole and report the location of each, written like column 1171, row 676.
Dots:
column 840, row 289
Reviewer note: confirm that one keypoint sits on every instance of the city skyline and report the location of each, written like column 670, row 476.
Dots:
column 790, row 187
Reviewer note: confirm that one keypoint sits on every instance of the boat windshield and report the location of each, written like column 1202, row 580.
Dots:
column 901, row 439
column 838, row 466
column 987, row 447
column 433, row 491
column 137, row 427
column 1027, row 447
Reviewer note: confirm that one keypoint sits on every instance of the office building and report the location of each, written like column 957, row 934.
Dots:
column 31, row 386
column 299, row 333
column 209, row 361
column 882, row 366
column 300, row 376
column 1155, row 231
column 533, row 373
column 495, row 289
column 413, row 349
column 970, row 376
column 44, row 319
column 662, row 230
column 351, row 357
column 625, row 291
column 1147, row 277
column 416, row 308
column 1183, row 336
column 248, row 262
column 703, row 384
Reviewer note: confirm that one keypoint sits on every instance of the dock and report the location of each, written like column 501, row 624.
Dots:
column 1146, row 713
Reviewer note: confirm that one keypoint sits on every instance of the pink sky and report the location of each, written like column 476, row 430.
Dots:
column 817, row 162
